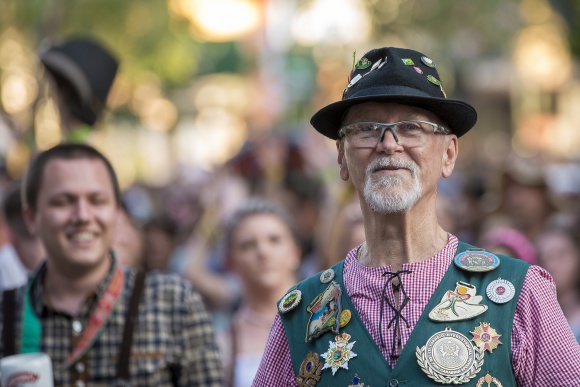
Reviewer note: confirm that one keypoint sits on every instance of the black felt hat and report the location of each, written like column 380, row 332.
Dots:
column 400, row 75
column 88, row 68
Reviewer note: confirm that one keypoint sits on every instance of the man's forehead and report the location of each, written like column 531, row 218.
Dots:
column 371, row 110
column 61, row 173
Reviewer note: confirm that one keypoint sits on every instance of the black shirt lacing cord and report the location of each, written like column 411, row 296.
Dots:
column 403, row 300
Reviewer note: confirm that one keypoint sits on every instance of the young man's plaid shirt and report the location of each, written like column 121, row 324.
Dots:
column 173, row 337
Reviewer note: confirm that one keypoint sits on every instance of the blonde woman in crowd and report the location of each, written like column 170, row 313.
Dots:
column 263, row 252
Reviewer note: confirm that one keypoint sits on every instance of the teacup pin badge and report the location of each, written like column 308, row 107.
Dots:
column 339, row 353
column 460, row 304
column 448, row 357
column 485, row 337
column 500, row 291
column 324, row 312
column 476, row 260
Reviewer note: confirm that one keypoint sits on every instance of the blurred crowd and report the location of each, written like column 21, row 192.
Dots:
column 309, row 220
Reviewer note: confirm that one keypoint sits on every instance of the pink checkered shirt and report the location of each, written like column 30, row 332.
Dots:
column 544, row 350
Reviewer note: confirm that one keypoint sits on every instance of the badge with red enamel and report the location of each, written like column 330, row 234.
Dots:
column 500, row 291
column 485, row 337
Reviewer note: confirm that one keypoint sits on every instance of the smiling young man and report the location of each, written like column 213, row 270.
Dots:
column 412, row 305
column 82, row 307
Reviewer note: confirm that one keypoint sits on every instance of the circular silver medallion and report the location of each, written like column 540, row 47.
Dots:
column 500, row 291
column 327, row 276
column 448, row 357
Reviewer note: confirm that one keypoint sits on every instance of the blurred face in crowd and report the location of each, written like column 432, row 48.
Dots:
column 392, row 177
column 263, row 252
column 560, row 256
column 128, row 241
column 75, row 215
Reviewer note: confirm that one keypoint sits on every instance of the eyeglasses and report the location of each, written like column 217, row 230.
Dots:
column 407, row 133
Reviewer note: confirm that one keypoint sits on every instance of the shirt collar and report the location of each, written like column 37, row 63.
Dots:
column 39, row 304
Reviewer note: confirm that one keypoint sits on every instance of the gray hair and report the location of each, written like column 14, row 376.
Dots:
column 258, row 206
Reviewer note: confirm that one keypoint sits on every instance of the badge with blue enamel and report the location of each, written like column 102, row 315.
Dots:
column 324, row 312
column 310, row 370
column 476, row 260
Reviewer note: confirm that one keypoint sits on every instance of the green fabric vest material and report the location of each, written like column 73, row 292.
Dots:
column 370, row 365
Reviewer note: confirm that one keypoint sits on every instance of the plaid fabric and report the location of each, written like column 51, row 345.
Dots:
column 544, row 350
column 173, row 336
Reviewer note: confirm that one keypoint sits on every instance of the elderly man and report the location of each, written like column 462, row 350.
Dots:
column 412, row 305
column 101, row 323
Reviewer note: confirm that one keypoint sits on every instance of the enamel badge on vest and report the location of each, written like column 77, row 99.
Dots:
column 476, row 260
column 339, row 353
column 290, row 301
column 460, row 304
column 500, row 291
column 485, row 337
column 448, row 357
column 325, row 312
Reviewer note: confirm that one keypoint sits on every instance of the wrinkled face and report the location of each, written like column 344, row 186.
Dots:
column 392, row 177
column 263, row 252
column 76, row 214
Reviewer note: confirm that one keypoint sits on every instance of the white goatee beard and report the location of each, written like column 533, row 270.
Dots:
column 397, row 201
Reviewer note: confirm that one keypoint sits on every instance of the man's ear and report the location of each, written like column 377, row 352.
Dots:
column 449, row 156
column 29, row 219
column 341, row 159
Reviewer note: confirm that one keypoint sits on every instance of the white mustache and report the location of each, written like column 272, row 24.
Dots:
column 385, row 162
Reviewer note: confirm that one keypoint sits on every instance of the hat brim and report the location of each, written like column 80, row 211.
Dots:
column 458, row 115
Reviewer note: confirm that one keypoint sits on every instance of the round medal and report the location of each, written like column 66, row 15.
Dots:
column 500, row 291
column 327, row 276
column 290, row 301
column 448, row 357
column 476, row 260
column 344, row 317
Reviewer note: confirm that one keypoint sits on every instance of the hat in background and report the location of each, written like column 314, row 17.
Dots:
column 88, row 68
column 400, row 75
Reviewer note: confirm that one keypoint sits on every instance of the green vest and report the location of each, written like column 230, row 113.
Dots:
column 370, row 366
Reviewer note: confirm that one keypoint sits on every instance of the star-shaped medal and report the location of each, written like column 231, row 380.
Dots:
column 485, row 337
column 339, row 353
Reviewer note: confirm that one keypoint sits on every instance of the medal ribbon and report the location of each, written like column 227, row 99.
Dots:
column 31, row 327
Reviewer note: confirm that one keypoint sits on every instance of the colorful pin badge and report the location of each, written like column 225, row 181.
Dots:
column 290, row 301
column 324, row 312
column 310, row 370
column 408, row 62
column 485, row 337
column 356, row 382
column 476, row 260
column 327, row 276
column 460, row 304
column 428, row 62
column 345, row 316
column 433, row 80
column 339, row 353
column 418, row 69
column 489, row 380
column 363, row 63
column 500, row 291
column 448, row 357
